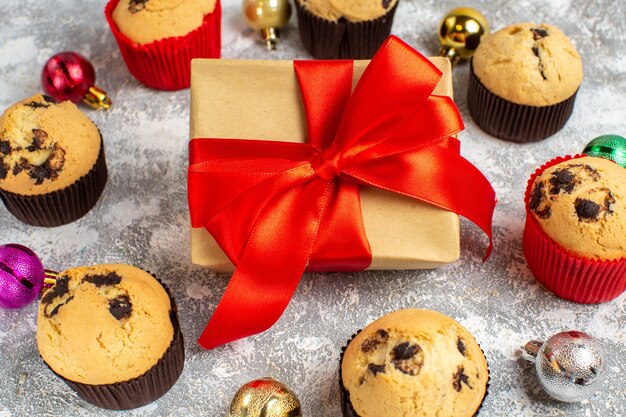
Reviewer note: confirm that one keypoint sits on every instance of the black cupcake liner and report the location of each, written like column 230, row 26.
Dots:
column 343, row 39
column 63, row 206
column 515, row 122
column 145, row 388
column 347, row 410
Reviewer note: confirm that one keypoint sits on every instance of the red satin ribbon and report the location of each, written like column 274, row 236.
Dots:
column 278, row 208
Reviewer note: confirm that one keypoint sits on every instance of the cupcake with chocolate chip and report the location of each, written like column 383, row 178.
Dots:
column 523, row 82
column 111, row 333
column 52, row 164
column 344, row 29
column 159, row 38
column 413, row 363
column 575, row 233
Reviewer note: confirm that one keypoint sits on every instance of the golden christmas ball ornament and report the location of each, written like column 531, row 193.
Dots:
column 268, row 17
column 265, row 397
column 460, row 33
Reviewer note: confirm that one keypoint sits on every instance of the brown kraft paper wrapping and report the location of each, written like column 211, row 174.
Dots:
column 240, row 99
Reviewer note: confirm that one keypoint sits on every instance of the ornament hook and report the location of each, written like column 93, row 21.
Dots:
column 97, row 98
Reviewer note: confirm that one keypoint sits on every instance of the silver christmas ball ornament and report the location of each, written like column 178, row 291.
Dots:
column 570, row 365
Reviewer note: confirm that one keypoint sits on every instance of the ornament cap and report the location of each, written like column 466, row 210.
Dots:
column 531, row 349
column 451, row 53
column 97, row 98
column 271, row 36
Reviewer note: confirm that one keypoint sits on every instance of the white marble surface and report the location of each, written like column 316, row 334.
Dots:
column 142, row 219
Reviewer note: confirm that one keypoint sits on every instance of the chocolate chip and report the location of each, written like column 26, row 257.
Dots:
column 537, row 199
column 407, row 359
column 135, row 6
column 608, row 200
column 460, row 345
column 100, row 280
column 16, row 169
column 39, row 138
column 374, row 341
column 55, row 310
column 48, row 98
column 562, row 179
column 586, row 209
column 376, row 369
column 41, row 172
column 4, row 170
column 5, row 147
column 404, row 351
column 539, row 33
column 460, row 378
column 536, row 51
column 386, row 4
column 56, row 161
column 536, row 196
column 36, row 105
column 120, row 307
column 541, row 67
column 60, row 288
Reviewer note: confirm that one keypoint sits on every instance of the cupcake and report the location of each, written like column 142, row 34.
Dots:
column 111, row 333
column 52, row 165
column 159, row 38
column 523, row 82
column 413, row 363
column 575, row 233
column 344, row 29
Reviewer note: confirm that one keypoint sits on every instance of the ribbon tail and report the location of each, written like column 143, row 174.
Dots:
column 270, row 267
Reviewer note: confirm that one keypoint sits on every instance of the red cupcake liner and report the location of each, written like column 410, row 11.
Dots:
column 347, row 410
column 165, row 64
column 63, row 206
column 515, row 122
column 146, row 388
column 569, row 276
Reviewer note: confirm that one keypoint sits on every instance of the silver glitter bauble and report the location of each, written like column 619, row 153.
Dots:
column 570, row 365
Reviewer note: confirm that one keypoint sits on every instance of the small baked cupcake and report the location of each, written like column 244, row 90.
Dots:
column 111, row 333
column 159, row 38
column 575, row 233
column 52, row 164
column 344, row 29
column 523, row 82
column 413, row 363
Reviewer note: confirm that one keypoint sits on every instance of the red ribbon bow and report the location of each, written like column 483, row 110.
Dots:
column 278, row 208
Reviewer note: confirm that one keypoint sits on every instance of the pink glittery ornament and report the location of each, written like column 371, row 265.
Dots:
column 21, row 276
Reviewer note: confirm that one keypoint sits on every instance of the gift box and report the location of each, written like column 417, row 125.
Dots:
column 240, row 99
column 323, row 166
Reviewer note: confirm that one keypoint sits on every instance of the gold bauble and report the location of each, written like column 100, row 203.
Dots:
column 268, row 17
column 265, row 397
column 460, row 33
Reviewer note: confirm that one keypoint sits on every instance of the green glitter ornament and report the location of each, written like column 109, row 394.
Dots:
column 611, row 147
